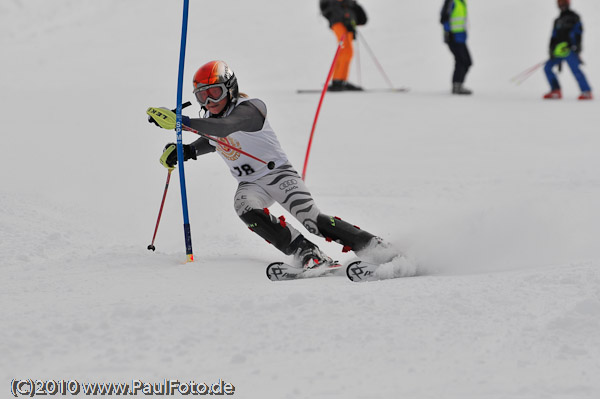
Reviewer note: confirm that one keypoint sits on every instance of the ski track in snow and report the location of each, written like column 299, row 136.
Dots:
column 499, row 208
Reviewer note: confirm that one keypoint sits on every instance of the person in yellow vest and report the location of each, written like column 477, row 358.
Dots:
column 454, row 20
column 343, row 16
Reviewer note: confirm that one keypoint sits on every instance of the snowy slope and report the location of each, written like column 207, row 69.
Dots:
column 496, row 196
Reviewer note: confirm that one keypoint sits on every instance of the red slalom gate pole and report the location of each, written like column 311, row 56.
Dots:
column 312, row 132
column 162, row 204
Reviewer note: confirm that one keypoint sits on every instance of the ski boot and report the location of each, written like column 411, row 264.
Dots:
column 309, row 256
column 351, row 87
column 553, row 95
column 586, row 95
column 378, row 252
column 343, row 85
column 458, row 88
column 336, row 85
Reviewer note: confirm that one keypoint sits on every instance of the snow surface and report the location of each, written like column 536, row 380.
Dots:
column 495, row 195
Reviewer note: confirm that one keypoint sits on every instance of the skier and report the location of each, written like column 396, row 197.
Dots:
column 343, row 17
column 565, row 45
column 454, row 20
column 241, row 122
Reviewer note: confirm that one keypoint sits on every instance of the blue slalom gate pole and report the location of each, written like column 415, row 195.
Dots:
column 186, row 220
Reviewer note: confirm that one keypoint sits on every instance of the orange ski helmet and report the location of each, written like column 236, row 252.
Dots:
column 211, row 77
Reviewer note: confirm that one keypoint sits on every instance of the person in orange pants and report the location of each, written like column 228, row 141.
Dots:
column 343, row 17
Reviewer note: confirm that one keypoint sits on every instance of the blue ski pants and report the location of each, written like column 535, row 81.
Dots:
column 573, row 61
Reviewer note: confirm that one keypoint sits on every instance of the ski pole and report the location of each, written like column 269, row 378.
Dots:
column 312, row 132
column 162, row 204
column 269, row 164
column 521, row 77
column 358, row 66
column 362, row 38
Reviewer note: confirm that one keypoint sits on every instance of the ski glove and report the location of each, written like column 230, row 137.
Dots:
column 166, row 118
column 561, row 50
column 185, row 118
column 351, row 27
column 168, row 158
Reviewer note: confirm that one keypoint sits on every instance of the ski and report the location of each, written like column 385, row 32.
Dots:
column 360, row 271
column 397, row 267
column 280, row 271
column 392, row 90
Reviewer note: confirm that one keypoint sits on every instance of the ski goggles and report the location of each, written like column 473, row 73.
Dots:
column 215, row 93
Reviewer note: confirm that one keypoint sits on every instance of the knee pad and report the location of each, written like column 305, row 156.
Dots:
column 274, row 231
column 350, row 236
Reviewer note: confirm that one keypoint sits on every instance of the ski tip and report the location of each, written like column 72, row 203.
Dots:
column 359, row 271
column 274, row 271
column 351, row 269
column 280, row 271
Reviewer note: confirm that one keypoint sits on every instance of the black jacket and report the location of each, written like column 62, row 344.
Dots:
column 567, row 28
column 348, row 12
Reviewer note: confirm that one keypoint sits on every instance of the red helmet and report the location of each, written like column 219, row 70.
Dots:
column 213, row 81
column 564, row 3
